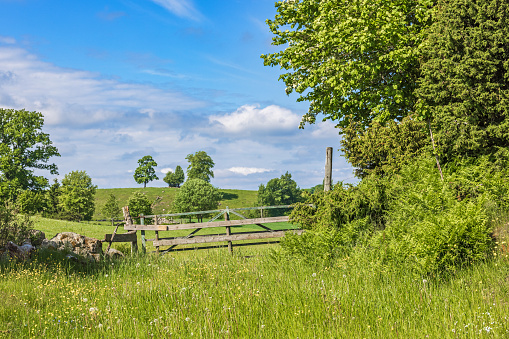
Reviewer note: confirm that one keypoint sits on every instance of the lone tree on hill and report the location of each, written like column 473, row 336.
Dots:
column 200, row 166
column 23, row 148
column 174, row 179
column 145, row 171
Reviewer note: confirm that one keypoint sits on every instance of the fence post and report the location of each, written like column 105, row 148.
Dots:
column 157, row 234
column 143, row 243
column 228, row 230
column 327, row 182
column 129, row 221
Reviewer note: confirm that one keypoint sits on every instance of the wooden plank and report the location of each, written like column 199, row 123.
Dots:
column 125, row 237
column 219, row 238
column 171, row 249
column 223, row 223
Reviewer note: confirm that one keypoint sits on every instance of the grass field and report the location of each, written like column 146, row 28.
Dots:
column 163, row 198
column 210, row 294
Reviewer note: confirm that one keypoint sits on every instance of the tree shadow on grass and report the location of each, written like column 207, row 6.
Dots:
column 229, row 196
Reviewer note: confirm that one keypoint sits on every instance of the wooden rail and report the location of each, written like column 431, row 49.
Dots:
column 191, row 238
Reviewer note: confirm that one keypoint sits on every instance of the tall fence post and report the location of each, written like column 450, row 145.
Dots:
column 143, row 242
column 157, row 234
column 129, row 221
column 327, row 182
column 228, row 230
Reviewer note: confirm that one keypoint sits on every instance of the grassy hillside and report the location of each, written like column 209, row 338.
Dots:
column 163, row 198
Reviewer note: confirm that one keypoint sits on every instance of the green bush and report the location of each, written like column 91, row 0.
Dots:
column 411, row 218
column 139, row 205
column 14, row 227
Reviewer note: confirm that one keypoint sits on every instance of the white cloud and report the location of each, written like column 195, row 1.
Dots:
column 248, row 170
column 7, row 40
column 251, row 119
column 74, row 97
column 181, row 8
column 166, row 170
column 325, row 130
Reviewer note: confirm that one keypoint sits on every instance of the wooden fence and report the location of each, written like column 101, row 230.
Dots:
column 192, row 238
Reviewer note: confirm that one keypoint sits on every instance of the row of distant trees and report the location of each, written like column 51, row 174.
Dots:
column 200, row 167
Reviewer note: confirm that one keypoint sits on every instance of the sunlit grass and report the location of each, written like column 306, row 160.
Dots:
column 211, row 294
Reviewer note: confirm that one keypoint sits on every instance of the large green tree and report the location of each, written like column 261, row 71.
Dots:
column 139, row 205
column 23, row 149
column 353, row 61
column 111, row 208
column 196, row 195
column 200, row 166
column 145, row 171
column 464, row 89
column 77, row 196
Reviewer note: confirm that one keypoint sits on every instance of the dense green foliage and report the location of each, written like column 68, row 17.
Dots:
column 464, row 87
column 200, row 166
column 352, row 61
column 76, row 199
column 383, row 149
column 145, row 171
column 412, row 218
column 23, row 149
column 14, row 226
column 174, row 179
column 111, row 209
column 279, row 191
column 196, row 195
column 139, row 205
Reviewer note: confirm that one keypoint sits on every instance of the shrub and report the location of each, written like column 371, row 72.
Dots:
column 139, row 205
column 409, row 218
column 14, row 227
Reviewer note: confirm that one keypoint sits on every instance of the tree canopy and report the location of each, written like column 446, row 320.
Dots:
column 352, row 61
column 111, row 208
column 279, row 191
column 139, row 205
column 464, row 88
column 196, row 195
column 145, row 171
column 23, row 148
column 200, row 166
column 76, row 197
column 174, row 179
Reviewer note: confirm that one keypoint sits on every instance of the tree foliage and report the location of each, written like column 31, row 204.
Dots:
column 464, row 87
column 353, row 61
column 145, row 171
column 383, row 149
column 111, row 208
column 77, row 196
column 279, row 191
column 174, row 179
column 139, row 205
column 196, row 195
column 14, row 226
column 23, row 149
column 200, row 166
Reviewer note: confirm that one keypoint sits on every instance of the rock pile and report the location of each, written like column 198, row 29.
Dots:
column 79, row 246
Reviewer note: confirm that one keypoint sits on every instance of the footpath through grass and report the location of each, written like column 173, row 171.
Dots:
column 210, row 294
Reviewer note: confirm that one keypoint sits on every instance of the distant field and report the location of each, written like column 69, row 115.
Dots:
column 164, row 196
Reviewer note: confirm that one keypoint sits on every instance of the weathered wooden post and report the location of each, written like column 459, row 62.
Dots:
column 143, row 243
column 228, row 230
column 157, row 234
column 327, row 182
column 129, row 221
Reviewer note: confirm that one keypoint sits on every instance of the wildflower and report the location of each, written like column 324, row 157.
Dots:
column 84, row 300
column 187, row 319
column 313, row 275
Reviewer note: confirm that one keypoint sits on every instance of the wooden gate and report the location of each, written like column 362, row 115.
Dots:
column 161, row 224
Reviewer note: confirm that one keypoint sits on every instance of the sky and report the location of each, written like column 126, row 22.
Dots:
column 120, row 79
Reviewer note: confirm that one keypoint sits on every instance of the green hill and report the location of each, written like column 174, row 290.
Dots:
column 162, row 198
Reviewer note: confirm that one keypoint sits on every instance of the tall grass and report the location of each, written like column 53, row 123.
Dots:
column 209, row 294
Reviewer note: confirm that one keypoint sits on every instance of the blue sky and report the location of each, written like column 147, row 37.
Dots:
column 120, row 79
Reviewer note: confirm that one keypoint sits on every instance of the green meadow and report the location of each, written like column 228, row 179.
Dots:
column 254, row 293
